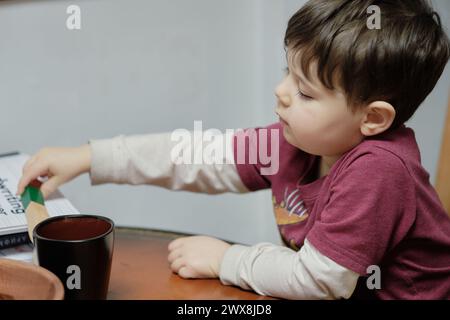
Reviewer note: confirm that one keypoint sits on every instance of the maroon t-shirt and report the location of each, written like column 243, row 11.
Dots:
column 376, row 206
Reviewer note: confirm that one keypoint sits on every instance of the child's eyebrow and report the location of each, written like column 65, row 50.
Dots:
column 302, row 80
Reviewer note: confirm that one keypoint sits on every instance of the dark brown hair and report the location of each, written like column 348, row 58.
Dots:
column 399, row 63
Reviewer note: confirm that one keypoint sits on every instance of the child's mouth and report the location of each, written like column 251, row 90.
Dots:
column 284, row 123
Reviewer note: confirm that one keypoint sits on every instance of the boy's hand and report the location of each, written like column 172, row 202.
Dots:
column 197, row 256
column 58, row 164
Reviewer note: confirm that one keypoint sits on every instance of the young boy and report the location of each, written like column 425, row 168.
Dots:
column 350, row 195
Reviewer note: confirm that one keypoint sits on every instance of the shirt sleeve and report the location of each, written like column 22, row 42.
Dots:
column 370, row 209
column 284, row 273
column 261, row 153
column 163, row 160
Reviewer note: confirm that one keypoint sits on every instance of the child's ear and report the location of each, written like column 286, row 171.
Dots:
column 378, row 117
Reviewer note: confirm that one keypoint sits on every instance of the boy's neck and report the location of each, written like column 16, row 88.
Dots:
column 326, row 162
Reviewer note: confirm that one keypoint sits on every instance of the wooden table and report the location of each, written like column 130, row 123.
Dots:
column 140, row 270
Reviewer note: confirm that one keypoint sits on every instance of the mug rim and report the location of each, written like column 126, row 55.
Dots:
column 70, row 216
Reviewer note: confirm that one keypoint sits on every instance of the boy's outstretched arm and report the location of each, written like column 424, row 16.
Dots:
column 266, row 268
column 149, row 159
column 140, row 159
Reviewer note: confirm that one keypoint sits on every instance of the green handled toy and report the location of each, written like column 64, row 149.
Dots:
column 33, row 202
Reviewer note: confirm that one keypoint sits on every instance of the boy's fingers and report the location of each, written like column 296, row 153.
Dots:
column 175, row 244
column 175, row 254
column 23, row 179
column 28, row 163
column 32, row 173
column 187, row 273
column 177, row 264
column 50, row 186
column 23, row 182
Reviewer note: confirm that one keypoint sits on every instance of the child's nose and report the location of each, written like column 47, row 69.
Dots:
column 283, row 95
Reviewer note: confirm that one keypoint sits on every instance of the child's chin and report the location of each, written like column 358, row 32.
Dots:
column 289, row 138
column 286, row 134
column 294, row 142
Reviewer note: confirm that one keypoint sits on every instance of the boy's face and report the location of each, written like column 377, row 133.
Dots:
column 314, row 118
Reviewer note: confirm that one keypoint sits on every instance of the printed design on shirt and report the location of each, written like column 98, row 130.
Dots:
column 291, row 210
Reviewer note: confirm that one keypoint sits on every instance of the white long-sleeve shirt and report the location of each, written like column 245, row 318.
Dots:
column 266, row 268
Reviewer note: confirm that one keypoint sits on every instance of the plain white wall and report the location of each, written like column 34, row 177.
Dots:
column 150, row 66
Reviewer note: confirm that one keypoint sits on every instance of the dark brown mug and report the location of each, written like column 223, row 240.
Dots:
column 78, row 249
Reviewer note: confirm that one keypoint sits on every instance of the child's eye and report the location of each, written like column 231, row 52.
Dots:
column 303, row 96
